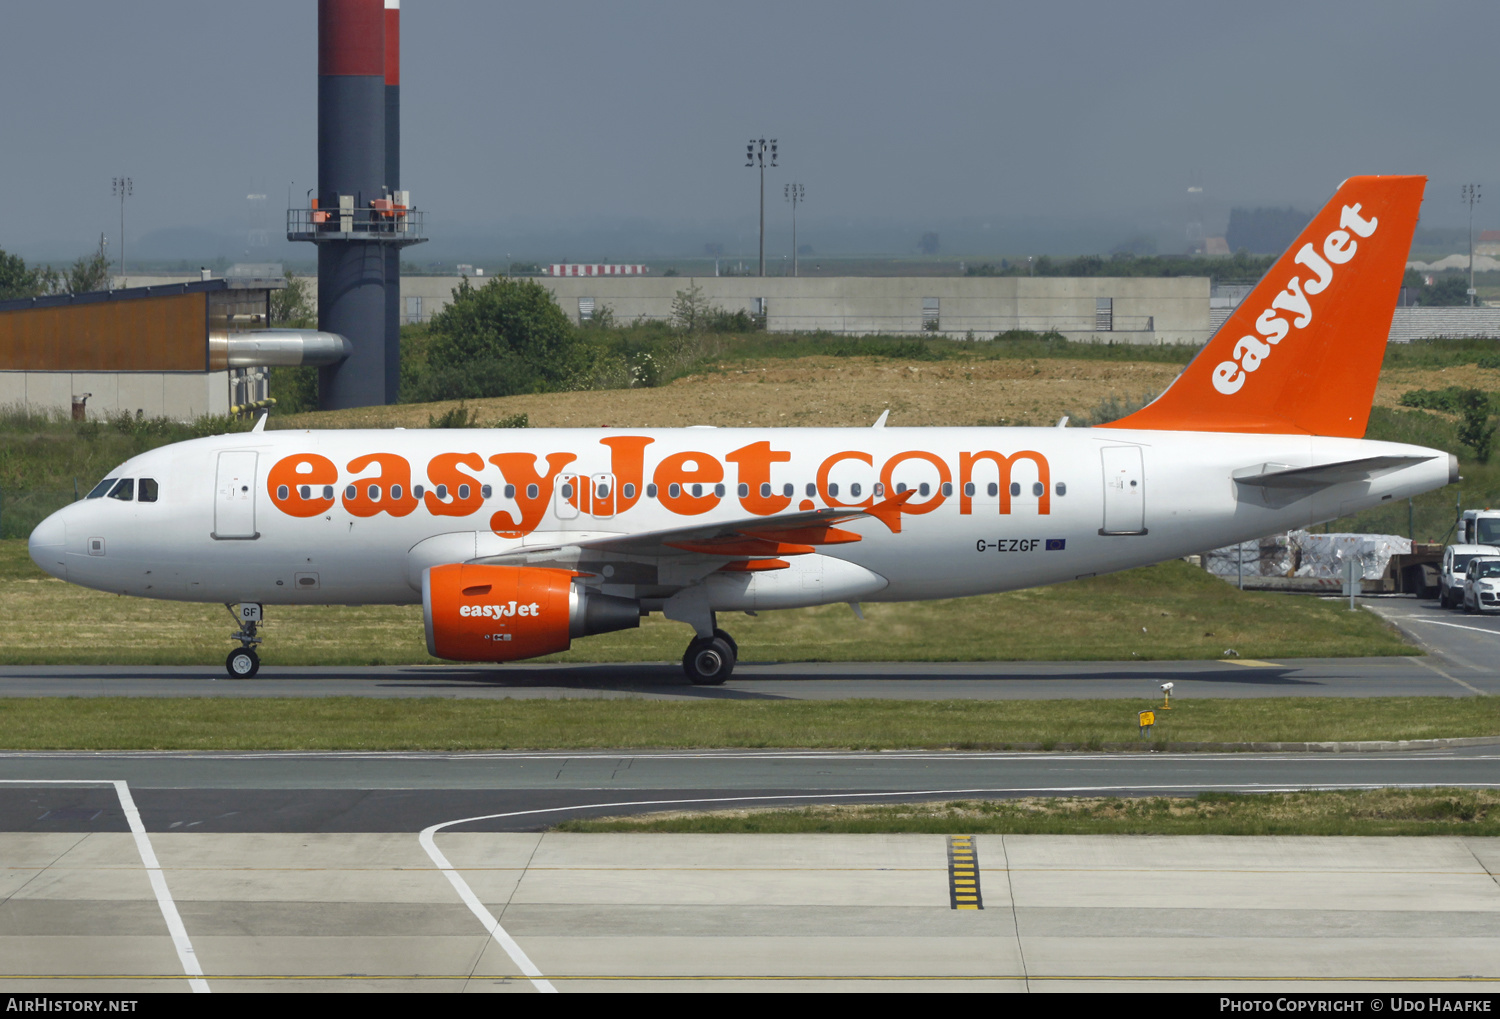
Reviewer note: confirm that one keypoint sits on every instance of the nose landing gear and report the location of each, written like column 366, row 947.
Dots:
column 243, row 662
column 709, row 661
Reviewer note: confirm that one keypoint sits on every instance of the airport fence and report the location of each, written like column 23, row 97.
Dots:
column 21, row 509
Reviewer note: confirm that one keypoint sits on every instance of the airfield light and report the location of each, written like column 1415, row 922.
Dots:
column 755, row 155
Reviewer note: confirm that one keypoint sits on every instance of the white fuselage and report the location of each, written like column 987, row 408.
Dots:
column 1047, row 504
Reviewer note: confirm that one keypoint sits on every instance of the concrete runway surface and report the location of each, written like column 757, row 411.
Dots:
column 283, row 871
column 133, row 872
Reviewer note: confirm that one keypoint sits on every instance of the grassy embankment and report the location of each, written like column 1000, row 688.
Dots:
column 1372, row 812
column 448, row 724
column 1168, row 611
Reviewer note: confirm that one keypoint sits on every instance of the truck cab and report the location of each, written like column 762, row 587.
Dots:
column 1479, row 527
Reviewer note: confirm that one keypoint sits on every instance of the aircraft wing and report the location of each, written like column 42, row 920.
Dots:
column 751, row 538
column 1283, row 476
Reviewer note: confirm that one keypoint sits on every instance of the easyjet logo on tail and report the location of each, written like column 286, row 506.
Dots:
column 1295, row 301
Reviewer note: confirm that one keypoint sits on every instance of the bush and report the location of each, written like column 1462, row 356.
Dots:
column 504, row 338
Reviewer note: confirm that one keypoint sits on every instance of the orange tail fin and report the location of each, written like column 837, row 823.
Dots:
column 1302, row 352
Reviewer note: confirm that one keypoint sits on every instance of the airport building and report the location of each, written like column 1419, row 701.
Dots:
column 178, row 350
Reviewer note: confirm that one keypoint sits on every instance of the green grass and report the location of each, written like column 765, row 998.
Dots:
column 1344, row 813
column 1167, row 611
column 448, row 724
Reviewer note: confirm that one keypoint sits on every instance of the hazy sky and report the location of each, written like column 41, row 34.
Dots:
column 574, row 116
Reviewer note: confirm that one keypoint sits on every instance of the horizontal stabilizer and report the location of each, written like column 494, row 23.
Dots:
column 1324, row 475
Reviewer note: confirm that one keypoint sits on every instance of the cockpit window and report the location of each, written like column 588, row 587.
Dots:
column 101, row 488
column 146, row 490
column 124, row 491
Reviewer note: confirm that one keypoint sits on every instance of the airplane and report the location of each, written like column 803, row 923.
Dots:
column 516, row 542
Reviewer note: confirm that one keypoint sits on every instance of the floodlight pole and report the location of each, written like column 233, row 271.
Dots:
column 795, row 193
column 1469, row 195
column 123, row 189
column 755, row 155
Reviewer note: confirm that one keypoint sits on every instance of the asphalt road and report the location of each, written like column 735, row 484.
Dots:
column 395, row 792
column 1461, row 661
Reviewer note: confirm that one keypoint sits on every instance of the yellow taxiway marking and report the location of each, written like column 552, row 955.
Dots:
column 1253, row 663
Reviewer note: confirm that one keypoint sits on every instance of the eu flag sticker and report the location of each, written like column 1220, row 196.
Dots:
column 1056, row 544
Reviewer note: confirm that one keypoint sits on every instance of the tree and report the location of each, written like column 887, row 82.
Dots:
column 292, row 305
column 689, row 309
column 16, row 280
column 1445, row 292
column 506, row 337
column 1474, row 428
column 86, row 275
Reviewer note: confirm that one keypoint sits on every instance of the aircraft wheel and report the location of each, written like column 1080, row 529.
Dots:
column 733, row 644
column 708, row 661
column 242, row 663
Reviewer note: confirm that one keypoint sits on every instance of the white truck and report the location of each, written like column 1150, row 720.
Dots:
column 1479, row 527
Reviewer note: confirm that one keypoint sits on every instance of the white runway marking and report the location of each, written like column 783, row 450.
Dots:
column 1456, row 626
column 486, row 918
column 185, row 953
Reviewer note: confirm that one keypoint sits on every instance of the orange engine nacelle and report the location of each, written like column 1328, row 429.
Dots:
column 504, row 613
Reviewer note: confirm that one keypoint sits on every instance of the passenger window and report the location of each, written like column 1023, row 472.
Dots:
column 628, row 490
column 765, row 489
column 567, row 491
column 833, row 489
column 510, row 491
column 651, row 491
column 947, row 488
column 923, row 489
column 993, row 490
column 602, row 492
column 373, row 492
column 719, row 491
column 124, row 491
column 532, row 491
column 282, row 492
column 744, row 490
column 105, row 486
column 463, row 492
column 351, row 493
column 854, row 490
column 416, row 491
column 1038, row 488
column 327, row 492
column 1015, row 488
column 674, row 490
column 303, row 491
column 697, row 491
column 900, row 487
column 968, row 488
column 147, row 490
column 788, row 489
column 879, row 489
column 485, row 491
column 812, row 489
column 442, row 492
column 396, row 492
column 1062, row 488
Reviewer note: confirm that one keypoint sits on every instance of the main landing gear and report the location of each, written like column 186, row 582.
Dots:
column 243, row 662
column 710, row 660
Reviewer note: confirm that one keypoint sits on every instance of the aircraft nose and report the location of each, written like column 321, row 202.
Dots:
column 47, row 544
